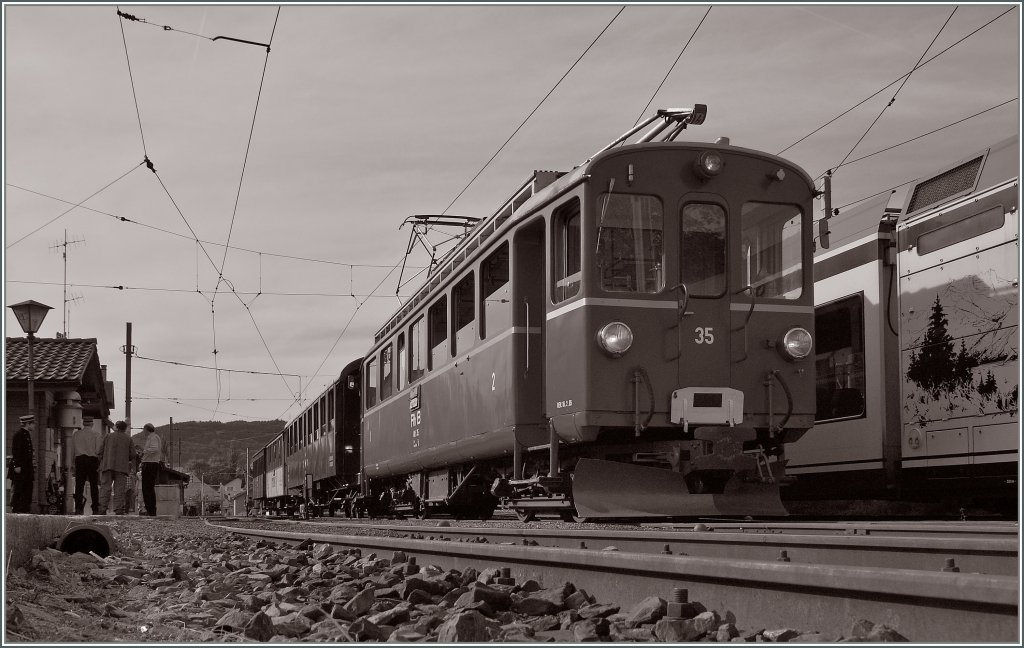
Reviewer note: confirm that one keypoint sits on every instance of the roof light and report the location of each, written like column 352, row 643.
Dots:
column 708, row 164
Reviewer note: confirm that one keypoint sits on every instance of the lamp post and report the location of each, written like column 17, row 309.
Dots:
column 30, row 316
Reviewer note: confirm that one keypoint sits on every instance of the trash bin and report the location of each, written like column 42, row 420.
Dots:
column 168, row 500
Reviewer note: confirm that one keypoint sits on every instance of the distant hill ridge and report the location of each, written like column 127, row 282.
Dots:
column 204, row 440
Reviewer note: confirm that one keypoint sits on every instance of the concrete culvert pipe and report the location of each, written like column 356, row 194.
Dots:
column 85, row 538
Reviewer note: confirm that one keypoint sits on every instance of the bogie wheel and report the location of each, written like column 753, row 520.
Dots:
column 526, row 515
column 424, row 511
column 576, row 517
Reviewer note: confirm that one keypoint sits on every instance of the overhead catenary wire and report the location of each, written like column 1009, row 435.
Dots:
column 883, row 89
column 536, row 108
column 893, row 99
column 248, row 147
column 74, row 205
column 130, row 221
column 347, row 295
column 672, row 67
column 131, row 78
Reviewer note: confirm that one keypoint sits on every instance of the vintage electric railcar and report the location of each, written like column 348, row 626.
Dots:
column 917, row 345
column 315, row 459
column 628, row 339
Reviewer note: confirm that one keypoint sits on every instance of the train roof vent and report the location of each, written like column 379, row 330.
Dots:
column 945, row 185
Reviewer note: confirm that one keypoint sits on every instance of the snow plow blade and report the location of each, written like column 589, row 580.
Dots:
column 610, row 489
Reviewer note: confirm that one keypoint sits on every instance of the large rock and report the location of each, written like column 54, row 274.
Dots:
column 676, row 630
column 547, row 601
column 780, row 635
column 361, row 603
column 259, row 628
column 466, row 627
column 648, row 610
column 480, row 592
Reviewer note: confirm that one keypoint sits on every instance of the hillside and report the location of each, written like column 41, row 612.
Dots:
column 208, row 441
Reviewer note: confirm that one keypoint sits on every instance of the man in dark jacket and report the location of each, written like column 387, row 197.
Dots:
column 22, row 471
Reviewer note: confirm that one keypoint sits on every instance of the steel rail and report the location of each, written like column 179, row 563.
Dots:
column 926, row 606
column 997, row 555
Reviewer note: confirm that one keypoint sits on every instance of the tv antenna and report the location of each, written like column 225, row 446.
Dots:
column 64, row 253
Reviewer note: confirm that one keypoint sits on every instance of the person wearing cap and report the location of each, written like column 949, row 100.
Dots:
column 22, row 470
column 152, row 457
column 88, row 447
column 114, row 466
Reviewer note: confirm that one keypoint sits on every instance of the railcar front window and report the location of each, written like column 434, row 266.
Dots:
column 771, row 248
column 702, row 255
column 630, row 253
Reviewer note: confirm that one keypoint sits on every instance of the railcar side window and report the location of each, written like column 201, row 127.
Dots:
column 966, row 228
column 630, row 250
column 371, row 383
column 386, row 375
column 495, row 293
column 839, row 359
column 438, row 316
column 567, row 273
column 463, row 314
column 417, row 360
column 400, row 363
column 772, row 250
column 702, row 254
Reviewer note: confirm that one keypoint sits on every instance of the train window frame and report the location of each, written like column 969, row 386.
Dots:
column 495, row 309
column 773, row 278
column 964, row 229
column 566, row 250
column 693, row 288
column 635, row 272
column 855, row 371
column 463, row 318
column 371, row 379
column 417, row 358
column 437, row 332
column 387, row 372
column 400, row 362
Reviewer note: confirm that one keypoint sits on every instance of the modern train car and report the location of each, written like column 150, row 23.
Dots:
column 917, row 345
column 628, row 339
column 316, row 459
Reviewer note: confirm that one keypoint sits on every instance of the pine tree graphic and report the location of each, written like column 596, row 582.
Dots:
column 936, row 367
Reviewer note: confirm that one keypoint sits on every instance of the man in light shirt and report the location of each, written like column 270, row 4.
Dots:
column 152, row 457
column 88, row 447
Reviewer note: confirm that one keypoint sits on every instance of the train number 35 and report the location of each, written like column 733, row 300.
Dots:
column 705, row 335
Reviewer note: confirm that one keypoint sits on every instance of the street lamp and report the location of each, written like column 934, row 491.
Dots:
column 30, row 316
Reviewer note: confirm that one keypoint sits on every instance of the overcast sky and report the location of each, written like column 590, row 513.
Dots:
column 369, row 114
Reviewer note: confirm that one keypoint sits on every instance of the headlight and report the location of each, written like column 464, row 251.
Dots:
column 708, row 164
column 796, row 343
column 615, row 338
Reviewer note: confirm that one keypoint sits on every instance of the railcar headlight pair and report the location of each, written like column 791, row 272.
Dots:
column 615, row 338
column 796, row 343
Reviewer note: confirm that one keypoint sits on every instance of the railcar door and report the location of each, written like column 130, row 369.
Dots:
column 702, row 294
column 528, row 275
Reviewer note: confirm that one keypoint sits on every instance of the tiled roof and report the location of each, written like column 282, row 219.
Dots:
column 54, row 360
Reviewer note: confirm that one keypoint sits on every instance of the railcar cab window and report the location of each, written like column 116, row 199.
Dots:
column 463, row 314
column 568, row 250
column 771, row 250
column 630, row 253
column 372, row 380
column 495, row 293
column 839, row 359
column 417, row 359
column 438, row 332
column 702, row 253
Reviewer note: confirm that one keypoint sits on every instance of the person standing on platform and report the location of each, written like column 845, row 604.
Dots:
column 152, row 457
column 22, row 471
column 114, row 466
column 88, row 446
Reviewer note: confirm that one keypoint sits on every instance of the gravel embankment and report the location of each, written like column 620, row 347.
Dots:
column 182, row 580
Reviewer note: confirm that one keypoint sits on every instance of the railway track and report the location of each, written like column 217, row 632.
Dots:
column 924, row 604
